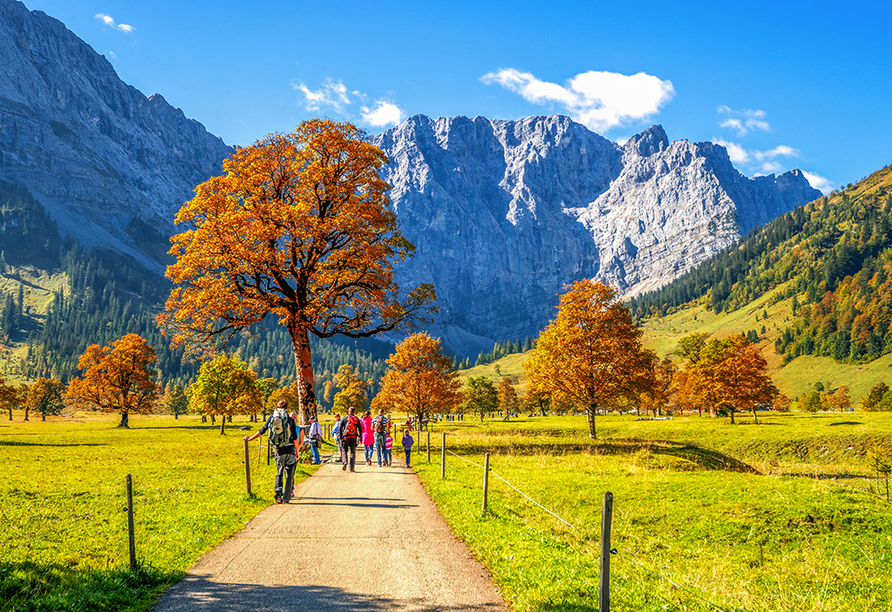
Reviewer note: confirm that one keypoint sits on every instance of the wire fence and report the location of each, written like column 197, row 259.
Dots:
column 613, row 551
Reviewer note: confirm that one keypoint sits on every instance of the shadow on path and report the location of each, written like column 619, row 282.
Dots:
column 199, row 594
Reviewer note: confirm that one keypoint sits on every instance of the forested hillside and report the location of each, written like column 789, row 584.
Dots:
column 835, row 256
column 109, row 295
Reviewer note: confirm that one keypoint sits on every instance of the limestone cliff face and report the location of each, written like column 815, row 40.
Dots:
column 111, row 165
column 505, row 213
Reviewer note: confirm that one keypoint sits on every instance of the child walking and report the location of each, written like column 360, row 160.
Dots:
column 388, row 447
column 408, row 441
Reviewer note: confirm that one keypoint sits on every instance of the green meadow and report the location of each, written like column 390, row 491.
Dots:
column 63, row 542
column 785, row 515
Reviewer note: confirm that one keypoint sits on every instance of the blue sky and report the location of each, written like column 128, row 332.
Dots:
column 782, row 84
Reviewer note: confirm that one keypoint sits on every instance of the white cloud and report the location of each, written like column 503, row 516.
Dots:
column 110, row 22
column 766, row 162
column 819, row 182
column 383, row 114
column 333, row 94
column 736, row 152
column 599, row 100
column 743, row 121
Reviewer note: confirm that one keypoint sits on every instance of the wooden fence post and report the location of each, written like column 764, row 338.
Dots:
column 485, row 481
column 248, row 468
column 443, row 457
column 428, row 447
column 606, row 519
column 130, row 530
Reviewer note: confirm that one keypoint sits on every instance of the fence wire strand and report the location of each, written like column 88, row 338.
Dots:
column 613, row 551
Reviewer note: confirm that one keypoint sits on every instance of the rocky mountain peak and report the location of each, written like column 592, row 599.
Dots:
column 650, row 141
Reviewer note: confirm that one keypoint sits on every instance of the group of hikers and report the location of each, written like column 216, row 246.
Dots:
column 374, row 433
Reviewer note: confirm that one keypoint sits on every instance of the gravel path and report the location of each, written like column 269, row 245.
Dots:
column 371, row 540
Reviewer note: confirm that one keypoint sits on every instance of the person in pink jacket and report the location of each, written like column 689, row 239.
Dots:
column 368, row 436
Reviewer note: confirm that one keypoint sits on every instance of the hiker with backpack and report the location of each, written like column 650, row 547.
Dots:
column 368, row 436
column 336, row 434
column 408, row 441
column 350, row 430
column 379, row 425
column 283, row 433
column 315, row 436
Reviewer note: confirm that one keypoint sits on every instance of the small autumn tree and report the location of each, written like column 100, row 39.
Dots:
column 8, row 397
column 45, row 397
column 419, row 379
column 839, row 399
column 590, row 354
column 508, row 401
column 480, row 396
column 116, row 378
column 732, row 374
column 353, row 390
column 298, row 227
column 537, row 402
column 225, row 387
column 175, row 401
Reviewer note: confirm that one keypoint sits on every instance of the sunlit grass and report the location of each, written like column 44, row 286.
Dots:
column 63, row 507
column 744, row 540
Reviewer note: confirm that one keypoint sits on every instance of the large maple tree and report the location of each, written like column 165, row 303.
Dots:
column 117, row 378
column 590, row 355
column 298, row 227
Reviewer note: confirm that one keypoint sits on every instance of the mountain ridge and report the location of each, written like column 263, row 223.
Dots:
column 540, row 202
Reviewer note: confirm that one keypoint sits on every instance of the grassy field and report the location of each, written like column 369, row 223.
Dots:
column 781, row 516
column 63, row 543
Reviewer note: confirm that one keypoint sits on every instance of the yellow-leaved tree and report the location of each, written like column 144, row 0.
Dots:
column 116, row 378
column 419, row 379
column 225, row 387
column 590, row 355
column 298, row 227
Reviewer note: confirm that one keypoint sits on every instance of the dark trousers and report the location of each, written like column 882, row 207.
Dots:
column 350, row 451
column 408, row 456
column 285, row 466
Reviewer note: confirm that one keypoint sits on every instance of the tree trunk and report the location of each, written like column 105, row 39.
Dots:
column 222, row 425
column 303, row 363
column 43, row 416
column 26, row 413
column 204, row 419
column 10, row 414
column 176, row 415
column 731, row 410
column 591, row 420
column 125, row 420
column 213, row 420
column 755, row 418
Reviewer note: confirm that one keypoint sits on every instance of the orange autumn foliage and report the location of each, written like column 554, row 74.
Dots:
column 419, row 379
column 732, row 374
column 591, row 354
column 116, row 378
column 298, row 227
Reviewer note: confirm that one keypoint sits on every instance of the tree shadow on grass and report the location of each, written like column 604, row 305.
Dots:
column 202, row 594
column 27, row 586
column 705, row 458
column 17, row 443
